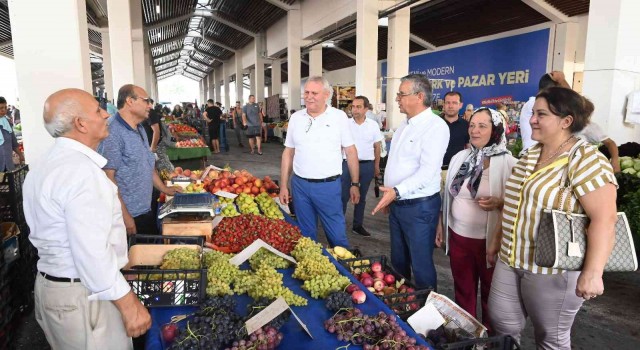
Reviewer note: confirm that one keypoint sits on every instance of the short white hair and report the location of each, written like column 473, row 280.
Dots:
column 63, row 117
column 325, row 84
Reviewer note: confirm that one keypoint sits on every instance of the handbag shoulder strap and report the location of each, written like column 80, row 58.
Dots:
column 565, row 182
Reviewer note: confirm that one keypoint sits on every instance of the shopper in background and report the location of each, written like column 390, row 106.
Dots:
column 471, row 208
column 131, row 165
column 236, row 116
column 223, row 128
column 520, row 288
column 263, row 117
column 212, row 115
column 367, row 137
column 177, row 111
column 458, row 127
column 313, row 150
column 594, row 134
column 252, row 122
column 412, row 182
column 82, row 301
column 555, row 78
column 373, row 116
column 468, row 112
column 8, row 141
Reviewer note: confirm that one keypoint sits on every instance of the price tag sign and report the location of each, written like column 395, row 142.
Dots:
column 226, row 194
column 216, row 221
column 269, row 313
column 248, row 252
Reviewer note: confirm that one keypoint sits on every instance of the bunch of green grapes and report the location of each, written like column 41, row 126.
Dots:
column 322, row 285
column 247, row 204
column 244, row 281
column 314, row 265
column 265, row 257
column 266, row 282
column 306, row 246
column 212, row 256
column 181, row 258
column 269, row 207
column 223, row 270
column 216, row 287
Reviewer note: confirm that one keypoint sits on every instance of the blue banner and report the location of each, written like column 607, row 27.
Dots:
column 501, row 70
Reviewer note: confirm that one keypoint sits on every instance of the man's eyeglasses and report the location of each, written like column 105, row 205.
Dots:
column 403, row 94
column 147, row 100
column 309, row 125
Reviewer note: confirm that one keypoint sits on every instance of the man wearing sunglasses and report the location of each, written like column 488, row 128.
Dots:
column 131, row 164
column 315, row 139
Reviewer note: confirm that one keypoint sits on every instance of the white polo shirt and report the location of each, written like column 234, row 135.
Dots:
column 364, row 136
column 415, row 158
column 318, row 142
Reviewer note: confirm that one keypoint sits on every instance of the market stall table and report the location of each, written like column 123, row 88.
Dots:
column 313, row 316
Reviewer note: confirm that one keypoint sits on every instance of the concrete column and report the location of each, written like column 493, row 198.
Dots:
column 121, row 43
column 564, row 49
column 42, row 67
column 252, row 82
column 276, row 77
column 205, row 89
column 137, row 41
column 226, row 75
column 367, row 49
column 397, row 62
column 612, row 67
column 239, row 78
column 216, row 84
column 260, row 51
column 315, row 60
column 294, row 30
column 106, row 66
column 211, row 82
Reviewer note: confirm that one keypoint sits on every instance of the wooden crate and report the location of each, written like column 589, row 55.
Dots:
column 188, row 226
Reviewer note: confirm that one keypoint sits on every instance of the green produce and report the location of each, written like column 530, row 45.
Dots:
column 267, row 258
column 626, row 163
column 269, row 207
column 630, row 171
column 181, row 258
column 247, row 204
column 313, row 265
column 306, row 246
column 636, row 164
column 266, row 282
column 322, row 285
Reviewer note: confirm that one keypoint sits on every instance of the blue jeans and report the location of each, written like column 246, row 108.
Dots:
column 413, row 233
column 366, row 176
column 319, row 199
column 224, row 145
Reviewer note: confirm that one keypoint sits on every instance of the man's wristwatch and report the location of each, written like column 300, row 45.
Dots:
column 357, row 184
column 397, row 193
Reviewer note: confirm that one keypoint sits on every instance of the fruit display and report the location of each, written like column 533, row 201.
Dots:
column 321, row 286
column 191, row 143
column 381, row 331
column 182, row 129
column 268, row 206
column 239, row 181
column 320, row 276
column 194, row 188
column 265, row 338
column 177, row 259
column 247, row 204
column 340, row 253
column 179, row 173
column 338, row 300
column 266, row 282
column 630, row 166
column 239, row 232
column 267, row 258
column 221, row 274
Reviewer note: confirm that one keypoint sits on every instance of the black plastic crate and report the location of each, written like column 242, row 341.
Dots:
column 403, row 304
column 504, row 342
column 155, row 287
column 11, row 195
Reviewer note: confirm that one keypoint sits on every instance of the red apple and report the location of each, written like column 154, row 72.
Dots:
column 255, row 190
column 378, row 285
column 364, row 275
column 352, row 288
column 358, row 297
column 376, row 267
column 367, row 281
column 178, row 170
column 169, row 332
column 378, row 275
column 186, row 172
column 389, row 279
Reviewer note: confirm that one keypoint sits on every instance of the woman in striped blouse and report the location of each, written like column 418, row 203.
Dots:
column 520, row 288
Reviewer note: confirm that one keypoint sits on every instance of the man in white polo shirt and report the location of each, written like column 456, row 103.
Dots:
column 367, row 137
column 412, row 182
column 313, row 149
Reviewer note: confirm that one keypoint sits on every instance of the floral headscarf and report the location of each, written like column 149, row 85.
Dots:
column 473, row 164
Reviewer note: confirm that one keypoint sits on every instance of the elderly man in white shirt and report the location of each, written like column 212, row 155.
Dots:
column 412, row 182
column 82, row 300
column 315, row 139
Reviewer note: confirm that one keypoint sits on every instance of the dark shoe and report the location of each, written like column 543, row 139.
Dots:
column 259, row 153
column 361, row 231
column 241, row 145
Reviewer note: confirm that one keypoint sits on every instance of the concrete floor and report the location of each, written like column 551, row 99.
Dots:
column 611, row 321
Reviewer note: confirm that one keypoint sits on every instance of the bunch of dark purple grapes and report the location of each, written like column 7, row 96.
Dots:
column 265, row 338
column 258, row 305
column 377, row 332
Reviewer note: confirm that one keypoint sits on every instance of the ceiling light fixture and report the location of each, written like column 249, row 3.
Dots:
column 328, row 43
column 158, row 8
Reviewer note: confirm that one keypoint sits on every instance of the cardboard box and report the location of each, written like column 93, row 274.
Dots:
column 188, row 226
column 152, row 254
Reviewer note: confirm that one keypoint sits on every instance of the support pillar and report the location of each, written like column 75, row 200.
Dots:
column 397, row 62
column 106, row 67
column 294, row 30
column 211, row 81
column 205, row 89
column 226, row 71
column 367, row 49
column 260, row 50
column 252, row 82
column 612, row 67
column 564, row 49
column 42, row 67
column 315, row 60
column 276, row 77
column 138, row 38
column 120, row 40
column 239, row 78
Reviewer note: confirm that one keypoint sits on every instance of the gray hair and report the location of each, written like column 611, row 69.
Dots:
column 325, row 84
column 63, row 117
column 420, row 83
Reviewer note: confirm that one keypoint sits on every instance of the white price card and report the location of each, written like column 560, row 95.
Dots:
column 425, row 319
column 284, row 207
column 248, row 252
column 216, row 221
column 269, row 313
column 226, row 194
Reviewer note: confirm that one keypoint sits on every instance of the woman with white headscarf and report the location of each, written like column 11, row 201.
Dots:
column 472, row 202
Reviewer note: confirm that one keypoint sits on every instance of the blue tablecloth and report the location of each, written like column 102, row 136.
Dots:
column 313, row 315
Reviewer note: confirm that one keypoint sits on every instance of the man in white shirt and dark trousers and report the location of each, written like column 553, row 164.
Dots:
column 82, row 301
column 367, row 137
column 412, row 182
column 315, row 139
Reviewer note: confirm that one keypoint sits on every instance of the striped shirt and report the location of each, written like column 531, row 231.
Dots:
column 528, row 193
